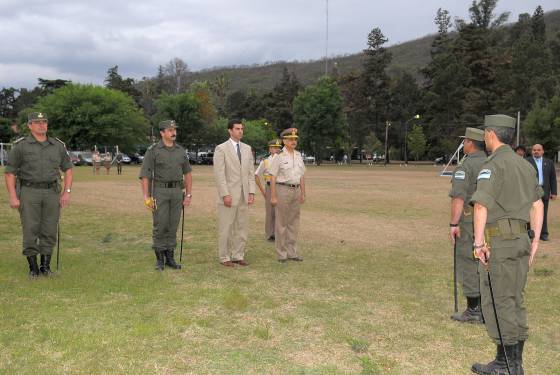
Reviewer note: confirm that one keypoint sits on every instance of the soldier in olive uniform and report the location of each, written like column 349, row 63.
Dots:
column 33, row 181
column 165, row 173
column 287, row 187
column 274, row 148
column 461, row 225
column 506, row 198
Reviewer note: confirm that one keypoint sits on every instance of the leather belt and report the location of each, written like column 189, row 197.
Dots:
column 169, row 185
column 38, row 185
column 288, row 185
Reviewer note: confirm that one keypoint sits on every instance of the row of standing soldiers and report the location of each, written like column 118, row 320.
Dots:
column 496, row 219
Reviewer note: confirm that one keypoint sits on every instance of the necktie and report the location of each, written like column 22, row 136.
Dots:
column 238, row 152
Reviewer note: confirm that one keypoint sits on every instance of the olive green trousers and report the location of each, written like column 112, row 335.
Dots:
column 39, row 213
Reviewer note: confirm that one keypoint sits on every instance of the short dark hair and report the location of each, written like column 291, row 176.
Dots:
column 479, row 145
column 520, row 148
column 505, row 135
column 233, row 122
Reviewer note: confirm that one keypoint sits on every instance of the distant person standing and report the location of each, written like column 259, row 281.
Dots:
column 463, row 186
column 107, row 161
column 164, row 174
column 234, row 173
column 96, row 160
column 520, row 150
column 119, row 160
column 287, row 188
column 546, row 174
column 33, row 182
column 263, row 171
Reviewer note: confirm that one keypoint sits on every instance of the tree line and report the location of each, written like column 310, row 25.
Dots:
column 478, row 66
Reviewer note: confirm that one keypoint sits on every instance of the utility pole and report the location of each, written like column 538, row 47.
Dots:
column 387, row 124
column 327, row 39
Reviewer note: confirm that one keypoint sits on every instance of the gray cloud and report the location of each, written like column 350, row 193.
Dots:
column 80, row 40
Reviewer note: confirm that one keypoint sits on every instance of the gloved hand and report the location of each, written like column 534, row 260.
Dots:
column 150, row 204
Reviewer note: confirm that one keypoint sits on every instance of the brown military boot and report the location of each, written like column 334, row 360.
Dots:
column 170, row 260
column 498, row 366
column 33, row 266
column 45, row 267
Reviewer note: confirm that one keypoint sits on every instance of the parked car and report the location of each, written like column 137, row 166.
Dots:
column 126, row 159
column 136, row 158
column 206, row 158
column 85, row 158
column 74, row 157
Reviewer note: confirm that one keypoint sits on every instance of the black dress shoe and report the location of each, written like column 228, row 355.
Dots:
column 544, row 237
column 296, row 259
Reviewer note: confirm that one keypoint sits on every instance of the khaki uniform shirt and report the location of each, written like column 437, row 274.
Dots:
column 34, row 161
column 463, row 182
column 264, row 168
column 507, row 186
column 288, row 168
column 168, row 163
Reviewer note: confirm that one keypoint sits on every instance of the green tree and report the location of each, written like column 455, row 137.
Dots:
column 376, row 82
column 417, row 142
column 319, row 117
column 542, row 125
column 185, row 109
column 115, row 81
column 257, row 134
column 85, row 115
column 279, row 101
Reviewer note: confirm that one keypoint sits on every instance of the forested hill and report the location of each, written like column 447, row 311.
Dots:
column 410, row 56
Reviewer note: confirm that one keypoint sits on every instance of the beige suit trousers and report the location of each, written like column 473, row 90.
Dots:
column 270, row 214
column 233, row 230
column 287, row 221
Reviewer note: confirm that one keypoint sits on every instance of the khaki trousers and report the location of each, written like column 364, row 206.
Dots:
column 270, row 215
column 287, row 221
column 232, row 231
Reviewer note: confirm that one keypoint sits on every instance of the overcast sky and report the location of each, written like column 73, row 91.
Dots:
column 80, row 40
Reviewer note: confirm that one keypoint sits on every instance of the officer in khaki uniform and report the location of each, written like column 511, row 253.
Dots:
column 461, row 224
column 165, row 173
column 287, row 190
column 506, row 198
column 263, row 170
column 33, row 182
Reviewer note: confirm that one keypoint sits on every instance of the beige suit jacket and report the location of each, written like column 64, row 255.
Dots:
column 233, row 177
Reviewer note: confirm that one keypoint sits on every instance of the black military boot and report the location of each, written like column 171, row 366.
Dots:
column 170, row 260
column 519, row 361
column 45, row 267
column 33, row 266
column 473, row 313
column 159, row 260
column 498, row 366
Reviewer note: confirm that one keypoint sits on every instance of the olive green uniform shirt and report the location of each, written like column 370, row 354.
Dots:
column 168, row 163
column 35, row 161
column 507, row 186
column 463, row 183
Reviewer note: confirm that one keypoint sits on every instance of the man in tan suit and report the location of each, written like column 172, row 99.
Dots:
column 235, row 181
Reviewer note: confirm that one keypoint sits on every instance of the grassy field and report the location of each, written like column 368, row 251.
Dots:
column 373, row 295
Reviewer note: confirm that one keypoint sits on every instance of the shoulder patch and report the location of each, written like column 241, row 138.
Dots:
column 459, row 175
column 484, row 174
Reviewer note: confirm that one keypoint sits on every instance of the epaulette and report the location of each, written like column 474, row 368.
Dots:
column 19, row 140
column 152, row 146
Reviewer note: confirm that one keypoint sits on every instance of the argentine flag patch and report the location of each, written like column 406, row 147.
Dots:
column 484, row 174
column 459, row 175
